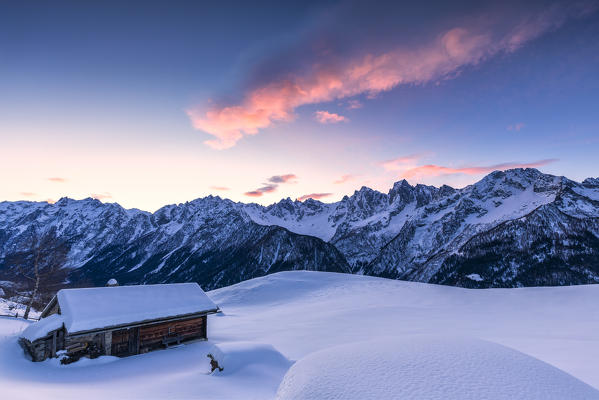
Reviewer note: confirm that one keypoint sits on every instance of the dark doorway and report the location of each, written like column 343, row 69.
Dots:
column 125, row 342
column 120, row 343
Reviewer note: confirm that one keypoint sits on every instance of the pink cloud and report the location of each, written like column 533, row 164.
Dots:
column 437, row 170
column 288, row 178
column 516, row 127
column 315, row 196
column 325, row 117
column 343, row 179
column 222, row 188
column 272, row 184
column 260, row 191
column 401, row 163
column 28, row 194
column 57, row 179
column 101, row 196
column 370, row 74
column 549, row 19
column 353, row 104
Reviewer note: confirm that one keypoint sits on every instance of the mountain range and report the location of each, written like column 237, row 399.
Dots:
column 512, row 228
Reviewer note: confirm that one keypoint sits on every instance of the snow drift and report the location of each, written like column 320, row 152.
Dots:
column 427, row 368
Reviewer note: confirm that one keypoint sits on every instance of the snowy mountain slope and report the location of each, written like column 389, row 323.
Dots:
column 210, row 240
column 544, row 247
column 541, row 217
column 358, row 225
column 417, row 232
column 86, row 225
column 310, row 218
column 411, row 232
column 299, row 316
column 213, row 242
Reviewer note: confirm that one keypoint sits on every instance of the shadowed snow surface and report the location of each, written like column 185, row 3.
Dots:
column 270, row 322
column 427, row 368
column 42, row 327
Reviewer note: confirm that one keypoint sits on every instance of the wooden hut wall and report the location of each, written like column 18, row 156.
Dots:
column 84, row 341
column 122, row 342
column 46, row 347
column 151, row 336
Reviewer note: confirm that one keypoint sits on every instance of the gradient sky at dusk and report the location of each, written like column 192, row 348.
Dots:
column 152, row 103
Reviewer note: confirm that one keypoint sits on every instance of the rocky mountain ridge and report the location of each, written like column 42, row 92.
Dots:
column 518, row 227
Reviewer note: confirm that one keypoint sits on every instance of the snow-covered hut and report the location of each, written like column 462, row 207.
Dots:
column 119, row 320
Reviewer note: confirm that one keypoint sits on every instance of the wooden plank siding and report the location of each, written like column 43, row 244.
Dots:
column 122, row 342
column 151, row 336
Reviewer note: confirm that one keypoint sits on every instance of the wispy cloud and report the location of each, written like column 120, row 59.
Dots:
column 353, row 104
column 437, row 170
column 516, row 127
column 315, row 196
column 344, row 178
column 325, row 117
column 401, row 163
column 221, row 188
column 101, row 196
column 261, row 190
column 28, row 194
column 272, row 184
column 57, row 179
column 370, row 71
column 287, row 178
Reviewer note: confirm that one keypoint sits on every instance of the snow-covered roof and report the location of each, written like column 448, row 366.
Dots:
column 41, row 328
column 96, row 308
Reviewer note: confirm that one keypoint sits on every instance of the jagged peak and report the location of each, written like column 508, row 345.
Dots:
column 283, row 206
column 523, row 176
column 67, row 201
column 423, row 187
column 283, row 201
column 445, row 190
column 364, row 189
column 310, row 201
column 530, row 174
column 206, row 199
column 591, row 182
column 400, row 185
column 63, row 201
column 364, row 194
column 201, row 202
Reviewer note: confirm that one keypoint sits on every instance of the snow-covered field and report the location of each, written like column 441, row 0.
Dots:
column 322, row 336
column 10, row 308
column 427, row 367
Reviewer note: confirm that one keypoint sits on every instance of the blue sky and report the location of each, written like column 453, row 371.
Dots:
column 152, row 103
